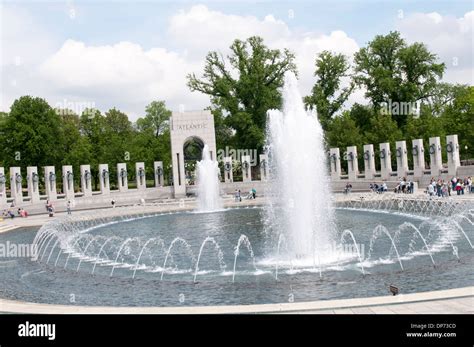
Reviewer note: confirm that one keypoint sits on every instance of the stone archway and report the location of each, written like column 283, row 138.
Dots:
column 192, row 152
column 184, row 127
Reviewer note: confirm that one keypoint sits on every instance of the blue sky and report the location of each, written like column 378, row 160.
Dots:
column 40, row 41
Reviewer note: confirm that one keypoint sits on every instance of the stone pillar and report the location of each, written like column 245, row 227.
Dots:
column 16, row 185
column 32, row 179
column 158, row 170
column 452, row 147
column 140, row 175
column 418, row 153
column 122, row 177
column 86, row 180
column 385, row 160
column 246, row 168
column 436, row 161
column 50, row 183
column 263, row 167
column 335, row 163
column 228, row 173
column 402, row 158
column 3, row 187
column 68, row 182
column 352, row 164
column 369, row 161
column 104, row 179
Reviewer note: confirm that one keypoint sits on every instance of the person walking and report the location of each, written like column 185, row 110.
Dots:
column 68, row 207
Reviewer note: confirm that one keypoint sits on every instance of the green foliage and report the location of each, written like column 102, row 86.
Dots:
column 392, row 71
column 344, row 132
column 31, row 134
column 245, row 86
column 325, row 95
column 156, row 119
column 458, row 118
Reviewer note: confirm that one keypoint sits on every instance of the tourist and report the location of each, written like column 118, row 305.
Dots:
column 469, row 185
column 240, row 196
column 50, row 209
column 459, row 188
column 454, row 181
column 430, row 190
column 236, row 195
column 254, row 193
column 68, row 207
column 113, row 203
column 384, row 187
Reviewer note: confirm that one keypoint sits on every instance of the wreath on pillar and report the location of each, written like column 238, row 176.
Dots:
column 123, row 173
column 141, row 172
column 52, row 177
column 87, row 175
column 245, row 165
column 333, row 157
column 105, row 174
column 159, row 171
column 263, row 164
column 35, row 177
column 69, row 176
column 382, row 154
column 18, row 178
column 399, row 152
column 414, row 150
column 2, row 179
column 227, row 167
column 432, row 148
column 449, row 147
column 350, row 156
column 367, row 155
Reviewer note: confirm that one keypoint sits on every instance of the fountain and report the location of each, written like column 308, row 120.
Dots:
column 299, row 205
column 208, row 183
column 292, row 243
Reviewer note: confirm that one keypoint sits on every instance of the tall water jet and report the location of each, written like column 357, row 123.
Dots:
column 208, row 183
column 299, row 202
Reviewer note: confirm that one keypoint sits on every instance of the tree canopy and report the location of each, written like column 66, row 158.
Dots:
column 244, row 86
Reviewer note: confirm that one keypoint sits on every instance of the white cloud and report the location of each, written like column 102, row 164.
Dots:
column 449, row 37
column 128, row 76
column 200, row 30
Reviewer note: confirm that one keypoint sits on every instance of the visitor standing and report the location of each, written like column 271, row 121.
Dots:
column 68, row 207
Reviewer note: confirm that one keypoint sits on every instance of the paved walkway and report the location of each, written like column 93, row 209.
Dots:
column 456, row 301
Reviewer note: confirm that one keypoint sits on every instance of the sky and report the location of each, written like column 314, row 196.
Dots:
column 125, row 54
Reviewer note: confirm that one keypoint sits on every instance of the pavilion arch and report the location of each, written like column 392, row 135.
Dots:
column 186, row 128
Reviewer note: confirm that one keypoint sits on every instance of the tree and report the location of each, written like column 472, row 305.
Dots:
column 246, row 89
column 343, row 132
column 326, row 96
column 458, row 118
column 31, row 134
column 392, row 71
column 3, row 119
column 156, row 118
column 362, row 116
column 76, row 148
column 382, row 128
